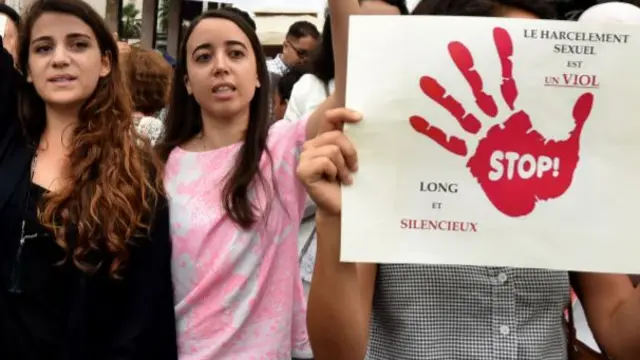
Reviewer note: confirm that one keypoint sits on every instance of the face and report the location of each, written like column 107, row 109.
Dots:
column 279, row 106
column 377, row 7
column 221, row 68
column 10, row 38
column 65, row 61
column 296, row 51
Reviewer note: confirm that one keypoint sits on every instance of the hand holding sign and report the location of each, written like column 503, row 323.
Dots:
column 515, row 165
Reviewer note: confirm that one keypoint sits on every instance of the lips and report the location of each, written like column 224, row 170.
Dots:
column 62, row 78
column 223, row 88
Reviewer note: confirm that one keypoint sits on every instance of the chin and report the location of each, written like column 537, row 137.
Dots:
column 226, row 111
column 64, row 100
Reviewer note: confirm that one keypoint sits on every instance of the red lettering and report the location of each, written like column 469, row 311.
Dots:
column 438, row 225
column 583, row 80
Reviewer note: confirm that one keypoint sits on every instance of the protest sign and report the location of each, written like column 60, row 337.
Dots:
column 495, row 142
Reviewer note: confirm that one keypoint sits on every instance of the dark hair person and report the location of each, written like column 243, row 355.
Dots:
column 283, row 89
column 314, row 87
column 235, row 201
column 85, row 251
column 410, row 311
column 298, row 44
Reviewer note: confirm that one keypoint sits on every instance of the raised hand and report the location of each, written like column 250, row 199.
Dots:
column 328, row 160
column 515, row 165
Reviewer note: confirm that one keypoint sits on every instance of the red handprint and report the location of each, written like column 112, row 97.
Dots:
column 514, row 164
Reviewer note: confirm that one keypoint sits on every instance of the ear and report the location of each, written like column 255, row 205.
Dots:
column 29, row 78
column 105, row 66
column 187, row 84
column 257, row 83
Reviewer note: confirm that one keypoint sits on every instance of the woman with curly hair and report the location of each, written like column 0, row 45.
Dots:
column 84, row 251
column 148, row 75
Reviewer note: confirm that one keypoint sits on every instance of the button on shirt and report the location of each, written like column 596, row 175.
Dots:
column 467, row 312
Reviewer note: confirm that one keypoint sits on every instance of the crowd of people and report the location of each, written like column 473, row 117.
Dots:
column 192, row 210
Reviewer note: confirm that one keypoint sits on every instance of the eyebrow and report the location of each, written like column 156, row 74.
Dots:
column 69, row 36
column 227, row 43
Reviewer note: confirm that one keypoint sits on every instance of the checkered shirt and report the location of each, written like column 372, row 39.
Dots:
column 426, row 312
column 277, row 66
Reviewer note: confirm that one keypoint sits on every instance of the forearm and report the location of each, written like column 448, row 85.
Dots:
column 336, row 322
column 623, row 338
column 340, row 12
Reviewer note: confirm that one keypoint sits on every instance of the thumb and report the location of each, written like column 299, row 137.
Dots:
column 335, row 119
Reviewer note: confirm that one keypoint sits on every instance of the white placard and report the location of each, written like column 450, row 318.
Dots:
column 494, row 142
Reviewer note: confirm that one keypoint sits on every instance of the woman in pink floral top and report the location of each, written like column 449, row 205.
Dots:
column 235, row 202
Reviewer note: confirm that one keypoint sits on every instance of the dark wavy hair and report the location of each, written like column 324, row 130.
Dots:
column 113, row 181
column 322, row 64
column 184, row 121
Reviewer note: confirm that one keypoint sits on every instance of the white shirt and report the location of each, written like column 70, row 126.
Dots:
column 307, row 94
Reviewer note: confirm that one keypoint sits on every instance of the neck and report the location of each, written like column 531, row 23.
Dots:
column 59, row 127
column 220, row 132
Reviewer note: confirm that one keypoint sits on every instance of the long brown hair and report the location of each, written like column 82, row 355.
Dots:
column 148, row 77
column 114, row 179
column 184, row 121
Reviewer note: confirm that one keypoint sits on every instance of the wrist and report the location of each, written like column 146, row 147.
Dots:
column 324, row 216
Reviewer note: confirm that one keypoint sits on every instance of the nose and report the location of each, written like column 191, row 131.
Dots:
column 221, row 65
column 60, row 57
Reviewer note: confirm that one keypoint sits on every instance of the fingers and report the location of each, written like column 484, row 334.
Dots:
column 432, row 88
column 463, row 59
column 451, row 143
column 313, row 169
column 331, row 153
column 334, row 119
column 581, row 112
column 339, row 143
column 504, row 46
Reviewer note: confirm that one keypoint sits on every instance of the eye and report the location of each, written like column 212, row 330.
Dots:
column 236, row 54
column 80, row 44
column 43, row 48
column 202, row 57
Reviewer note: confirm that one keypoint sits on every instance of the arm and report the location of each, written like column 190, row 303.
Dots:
column 612, row 307
column 143, row 327
column 340, row 11
column 340, row 300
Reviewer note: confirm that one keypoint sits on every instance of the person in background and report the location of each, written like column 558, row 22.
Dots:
column 148, row 76
column 274, row 79
column 307, row 94
column 283, row 89
column 10, row 38
column 300, row 41
column 314, row 87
